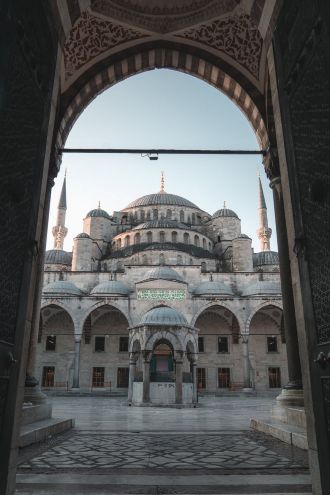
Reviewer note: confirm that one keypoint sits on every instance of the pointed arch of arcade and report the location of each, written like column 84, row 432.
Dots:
column 180, row 57
column 86, row 325
column 264, row 305
column 60, row 308
column 220, row 304
column 236, row 327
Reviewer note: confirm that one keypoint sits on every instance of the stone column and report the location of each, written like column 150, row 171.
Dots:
column 32, row 392
column 246, row 363
column 292, row 393
column 178, row 377
column 132, row 367
column 76, row 368
column 194, row 377
column 146, row 376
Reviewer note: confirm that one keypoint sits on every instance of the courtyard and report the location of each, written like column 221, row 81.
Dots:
column 139, row 450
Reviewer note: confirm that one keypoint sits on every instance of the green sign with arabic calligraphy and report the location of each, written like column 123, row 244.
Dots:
column 161, row 294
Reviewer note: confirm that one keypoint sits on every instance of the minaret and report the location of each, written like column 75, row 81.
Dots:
column 60, row 230
column 263, row 232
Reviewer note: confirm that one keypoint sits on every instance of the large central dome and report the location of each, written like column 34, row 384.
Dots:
column 161, row 198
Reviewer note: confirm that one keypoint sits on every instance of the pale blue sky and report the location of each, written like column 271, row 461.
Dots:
column 162, row 108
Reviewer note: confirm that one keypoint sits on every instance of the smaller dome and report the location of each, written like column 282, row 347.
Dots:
column 262, row 287
column 243, row 236
column 83, row 235
column 212, row 287
column 62, row 287
column 224, row 212
column 163, row 315
column 266, row 258
column 161, row 223
column 57, row 257
column 98, row 212
column 162, row 273
column 111, row 287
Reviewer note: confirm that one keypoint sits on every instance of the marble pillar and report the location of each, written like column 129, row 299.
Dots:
column 246, row 363
column 178, row 377
column 76, row 368
column 146, row 377
column 132, row 368
column 194, row 378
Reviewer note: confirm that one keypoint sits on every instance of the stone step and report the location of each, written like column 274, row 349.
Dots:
column 39, row 431
column 291, row 434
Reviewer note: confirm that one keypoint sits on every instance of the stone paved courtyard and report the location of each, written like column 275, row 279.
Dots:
column 117, row 449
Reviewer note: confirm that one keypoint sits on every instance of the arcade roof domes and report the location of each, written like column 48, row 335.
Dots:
column 57, row 257
column 224, row 212
column 111, row 287
column 83, row 235
column 162, row 223
column 265, row 258
column 161, row 198
column 162, row 273
column 212, row 287
column 163, row 315
column 62, row 287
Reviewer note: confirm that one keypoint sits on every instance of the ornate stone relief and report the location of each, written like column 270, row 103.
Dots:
column 92, row 36
column 163, row 16
column 237, row 37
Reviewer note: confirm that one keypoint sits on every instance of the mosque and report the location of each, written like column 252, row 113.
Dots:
column 163, row 300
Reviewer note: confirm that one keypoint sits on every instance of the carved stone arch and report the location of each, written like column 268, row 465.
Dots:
column 164, row 335
column 178, row 57
column 104, row 303
column 87, row 326
column 277, row 304
column 220, row 304
column 44, row 320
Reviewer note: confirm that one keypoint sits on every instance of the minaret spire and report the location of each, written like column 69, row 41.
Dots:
column 264, row 233
column 162, row 190
column 60, row 230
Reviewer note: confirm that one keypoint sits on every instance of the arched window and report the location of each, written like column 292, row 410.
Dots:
column 119, row 244
column 204, row 243
column 148, row 215
column 186, row 238
column 162, row 236
column 149, row 237
column 203, row 267
column 135, row 216
column 169, row 214
column 181, row 216
column 199, row 219
column 174, row 237
column 137, row 238
column 127, row 240
column 131, row 218
column 179, row 259
column 155, row 214
column 161, row 259
column 124, row 220
column 189, row 220
column 196, row 240
column 193, row 218
column 142, row 215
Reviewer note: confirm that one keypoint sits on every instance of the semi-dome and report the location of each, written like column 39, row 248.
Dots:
column 62, row 287
column 266, row 258
column 212, row 287
column 263, row 287
column 161, row 198
column 224, row 212
column 98, row 212
column 161, row 223
column 83, row 235
column 57, row 257
column 163, row 315
column 111, row 287
column 162, row 273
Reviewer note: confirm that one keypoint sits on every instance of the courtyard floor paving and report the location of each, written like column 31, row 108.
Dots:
column 116, row 449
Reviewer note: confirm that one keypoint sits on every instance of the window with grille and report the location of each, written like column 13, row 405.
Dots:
column 200, row 344
column 201, row 378
column 274, row 376
column 122, row 377
column 123, row 344
column 271, row 344
column 51, row 343
column 223, row 377
column 99, row 344
column 98, row 377
column 223, row 344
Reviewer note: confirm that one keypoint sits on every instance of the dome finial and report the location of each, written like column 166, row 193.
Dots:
column 162, row 182
column 99, row 205
column 224, row 205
